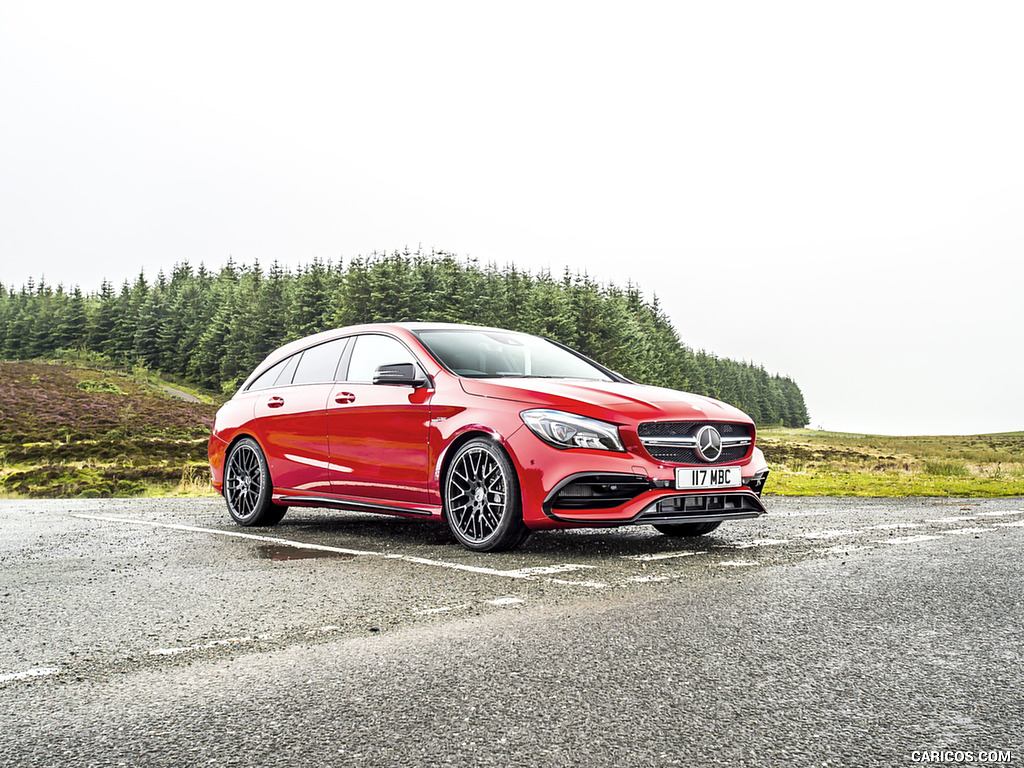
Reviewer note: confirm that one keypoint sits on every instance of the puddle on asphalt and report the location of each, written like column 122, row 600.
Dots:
column 280, row 553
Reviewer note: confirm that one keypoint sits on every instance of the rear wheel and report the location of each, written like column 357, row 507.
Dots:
column 248, row 488
column 482, row 503
column 687, row 529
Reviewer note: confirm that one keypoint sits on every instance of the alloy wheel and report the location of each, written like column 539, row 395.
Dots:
column 243, row 481
column 477, row 494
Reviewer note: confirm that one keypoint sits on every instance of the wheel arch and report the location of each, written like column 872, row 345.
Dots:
column 241, row 435
column 236, row 439
column 502, row 527
column 453, row 448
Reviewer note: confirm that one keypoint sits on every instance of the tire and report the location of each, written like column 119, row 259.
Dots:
column 248, row 487
column 482, row 502
column 687, row 529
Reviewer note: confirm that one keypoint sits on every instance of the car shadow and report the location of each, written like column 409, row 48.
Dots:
column 431, row 538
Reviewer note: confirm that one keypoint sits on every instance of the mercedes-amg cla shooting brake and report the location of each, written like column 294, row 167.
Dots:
column 497, row 433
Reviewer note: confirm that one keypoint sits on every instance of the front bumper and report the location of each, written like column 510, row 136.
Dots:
column 652, row 506
column 569, row 488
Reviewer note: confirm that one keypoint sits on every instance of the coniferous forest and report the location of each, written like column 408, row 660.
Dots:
column 212, row 328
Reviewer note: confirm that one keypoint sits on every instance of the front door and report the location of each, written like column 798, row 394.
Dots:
column 378, row 432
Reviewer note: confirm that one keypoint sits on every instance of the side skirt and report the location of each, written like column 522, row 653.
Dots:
column 357, row 506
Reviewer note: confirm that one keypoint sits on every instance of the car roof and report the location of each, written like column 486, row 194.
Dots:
column 415, row 327
column 298, row 345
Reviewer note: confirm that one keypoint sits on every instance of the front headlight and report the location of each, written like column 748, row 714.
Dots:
column 567, row 430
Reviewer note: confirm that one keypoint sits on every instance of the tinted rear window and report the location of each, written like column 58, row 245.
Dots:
column 269, row 377
column 319, row 363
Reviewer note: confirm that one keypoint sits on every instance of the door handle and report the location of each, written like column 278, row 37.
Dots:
column 275, row 402
column 343, row 398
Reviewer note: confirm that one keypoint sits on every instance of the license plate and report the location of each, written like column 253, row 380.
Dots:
column 689, row 478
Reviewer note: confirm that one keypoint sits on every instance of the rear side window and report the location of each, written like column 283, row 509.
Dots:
column 319, row 363
column 268, row 378
column 288, row 371
column 278, row 374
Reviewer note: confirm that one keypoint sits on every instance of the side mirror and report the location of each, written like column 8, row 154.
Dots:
column 400, row 374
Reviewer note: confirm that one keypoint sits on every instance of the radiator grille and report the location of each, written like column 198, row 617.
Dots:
column 685, row 454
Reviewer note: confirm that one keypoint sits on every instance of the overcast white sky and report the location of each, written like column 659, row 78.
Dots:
column 834, row 191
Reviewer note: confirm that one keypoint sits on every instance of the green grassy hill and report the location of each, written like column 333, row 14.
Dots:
column 76, row 432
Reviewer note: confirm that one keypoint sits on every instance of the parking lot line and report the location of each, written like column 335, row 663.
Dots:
column 29, row 673
column 531, row 574
column 659, row 556
column 907, row 539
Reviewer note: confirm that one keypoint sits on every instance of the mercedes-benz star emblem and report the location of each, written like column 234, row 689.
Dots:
column 709, row 443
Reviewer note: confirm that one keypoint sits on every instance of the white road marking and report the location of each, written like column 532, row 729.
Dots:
column 1014, row 524
column 232, row 534
column 524, row 573
column 1002, row 514
column 589, row 584
column 659, row 556
column 965, row 531
column 907, row 539
column 499, row 601
column 833, row 534
column 761, row 543
column 453, row 566
column 29, row 673
column 204, row 647
column 544, row 570
column 842, row 549
column 893, row 526
column 649, row 579
column 959, row 519
column 737, row 563
column 443, row 609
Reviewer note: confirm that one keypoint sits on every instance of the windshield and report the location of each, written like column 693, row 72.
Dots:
column 491, row 354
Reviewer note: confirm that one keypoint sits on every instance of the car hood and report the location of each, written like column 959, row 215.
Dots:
column 612, row 401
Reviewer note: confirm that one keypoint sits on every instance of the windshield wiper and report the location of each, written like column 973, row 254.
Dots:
column 545, row 376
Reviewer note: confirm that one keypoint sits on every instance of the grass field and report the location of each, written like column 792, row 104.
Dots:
column 73, row 431
column 809, row 463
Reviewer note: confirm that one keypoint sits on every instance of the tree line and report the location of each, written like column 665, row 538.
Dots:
column 212, row 328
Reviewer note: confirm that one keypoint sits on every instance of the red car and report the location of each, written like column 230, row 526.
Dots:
column 498, row 433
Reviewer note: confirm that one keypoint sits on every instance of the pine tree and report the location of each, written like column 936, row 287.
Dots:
column 43, row 305
column 311, row 304
column 19, row 324
column 69, row 328
column 215, row 328
column 547, row 310
column 152, row 316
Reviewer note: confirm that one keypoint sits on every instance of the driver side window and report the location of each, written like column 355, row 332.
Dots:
column 372, row 351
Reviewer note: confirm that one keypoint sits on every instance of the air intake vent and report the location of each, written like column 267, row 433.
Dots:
column 599, row 491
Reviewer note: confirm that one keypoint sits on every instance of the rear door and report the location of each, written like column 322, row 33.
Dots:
column 292, row 419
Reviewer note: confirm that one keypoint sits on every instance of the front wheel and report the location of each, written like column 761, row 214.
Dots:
column 482, row 503
column 687, row 529
column 248, row 488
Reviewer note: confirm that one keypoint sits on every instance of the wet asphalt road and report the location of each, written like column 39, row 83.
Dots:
column 832, row 632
